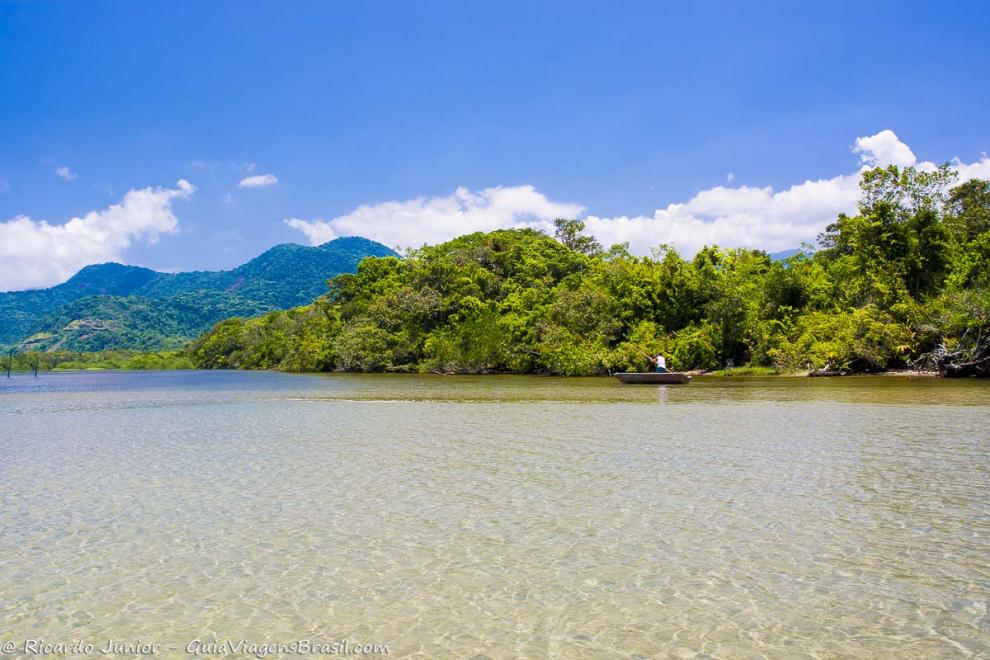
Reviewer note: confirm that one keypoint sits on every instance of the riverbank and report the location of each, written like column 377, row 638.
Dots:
column 139, row 364
column 770, row 372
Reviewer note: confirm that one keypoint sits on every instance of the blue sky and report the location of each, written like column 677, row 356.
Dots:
column 604, row 110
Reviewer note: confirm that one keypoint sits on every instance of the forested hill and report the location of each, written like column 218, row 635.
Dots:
column 116, row 306
column 906, row 281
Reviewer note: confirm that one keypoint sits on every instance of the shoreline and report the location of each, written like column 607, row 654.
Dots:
column 743, row 372
column 892, row 373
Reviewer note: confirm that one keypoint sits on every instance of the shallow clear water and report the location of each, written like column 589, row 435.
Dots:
column 509, row 517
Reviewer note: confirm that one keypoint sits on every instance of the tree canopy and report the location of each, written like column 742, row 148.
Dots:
column 905, row 278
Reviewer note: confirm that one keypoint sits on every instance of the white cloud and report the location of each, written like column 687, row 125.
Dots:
column 761, row 217
column 34, row 253
column 316, row 231
column 883, row 149
column 435, row 219
column 978, row 170
column 730, row 177
column 728, row 216
column 63, row 172
column 258, row 181
column 736, row 217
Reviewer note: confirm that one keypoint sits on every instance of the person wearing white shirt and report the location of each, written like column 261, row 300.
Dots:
column 661, row 363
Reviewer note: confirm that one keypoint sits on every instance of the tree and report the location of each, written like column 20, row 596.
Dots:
column 569, row 233
column 907, row 190
column 969, row 206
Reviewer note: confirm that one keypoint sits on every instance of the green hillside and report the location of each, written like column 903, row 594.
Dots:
column 905, row 282
column 113, row 306
column 98, row 323
column 20, row 311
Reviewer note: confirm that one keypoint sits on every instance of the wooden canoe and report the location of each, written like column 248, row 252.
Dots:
column 652, row 378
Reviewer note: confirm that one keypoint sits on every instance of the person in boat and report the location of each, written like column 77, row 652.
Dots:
column 661, row 364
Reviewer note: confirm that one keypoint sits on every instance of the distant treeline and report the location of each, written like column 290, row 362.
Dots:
column 65, row 360
column 904, row 282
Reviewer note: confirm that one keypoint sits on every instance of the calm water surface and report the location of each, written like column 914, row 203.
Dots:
column 499, row 517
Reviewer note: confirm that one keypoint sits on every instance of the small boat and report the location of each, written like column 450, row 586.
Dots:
column 653, row 378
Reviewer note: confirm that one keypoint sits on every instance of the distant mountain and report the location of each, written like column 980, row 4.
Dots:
column 116, row 306
column 784, row 254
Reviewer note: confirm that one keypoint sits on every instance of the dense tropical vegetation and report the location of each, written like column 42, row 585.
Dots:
column 905, row 282
column 113, row 306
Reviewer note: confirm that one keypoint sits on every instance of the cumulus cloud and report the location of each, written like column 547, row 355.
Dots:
column 63, row 172
column 34, row 253
column 728, row 216
column 763, row 218
column 736, row 217
column 316, row 231
column 883, row 149
column 434, row 219
column 979, row 169
column 258, row 181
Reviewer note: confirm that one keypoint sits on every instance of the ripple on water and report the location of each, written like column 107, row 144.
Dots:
column 583, row 519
